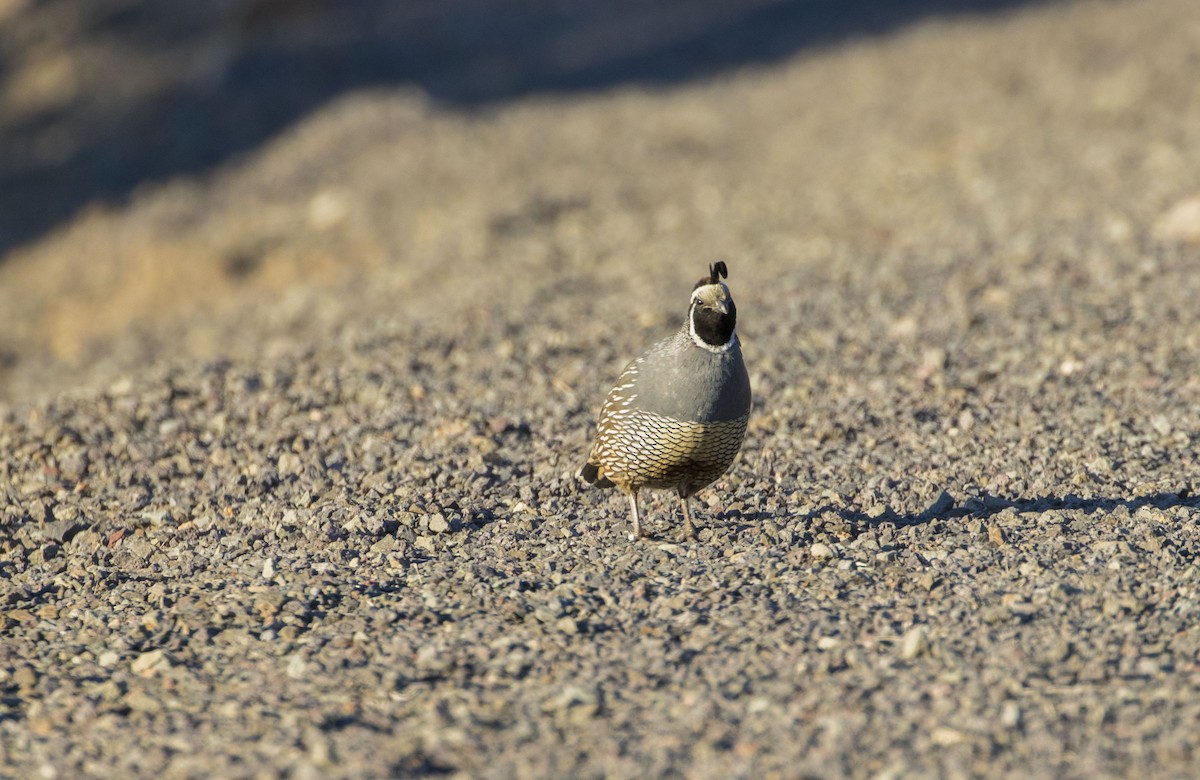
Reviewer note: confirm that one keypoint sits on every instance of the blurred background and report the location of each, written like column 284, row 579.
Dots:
column 100, row 97
column 193, row 180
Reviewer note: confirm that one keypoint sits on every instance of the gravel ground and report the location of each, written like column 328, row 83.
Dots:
column 289, row 447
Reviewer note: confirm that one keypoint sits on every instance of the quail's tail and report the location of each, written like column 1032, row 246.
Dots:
column 591, row 474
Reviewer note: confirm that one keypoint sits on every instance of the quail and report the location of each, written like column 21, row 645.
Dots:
column 677, row 415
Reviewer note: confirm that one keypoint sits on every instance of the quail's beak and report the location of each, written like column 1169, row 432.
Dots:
column 722, row 306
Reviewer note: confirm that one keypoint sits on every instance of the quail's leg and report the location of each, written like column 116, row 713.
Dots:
column 636, row 533
column 687, row 517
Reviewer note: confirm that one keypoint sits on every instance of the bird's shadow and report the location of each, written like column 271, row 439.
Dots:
column 986, row 505
column 945, row 507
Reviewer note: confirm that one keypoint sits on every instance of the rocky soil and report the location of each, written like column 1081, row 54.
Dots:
column 288, row 442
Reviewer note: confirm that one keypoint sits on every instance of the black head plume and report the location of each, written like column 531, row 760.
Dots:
column 716, row 272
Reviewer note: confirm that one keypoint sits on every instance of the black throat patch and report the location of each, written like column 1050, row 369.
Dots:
column 713, row 327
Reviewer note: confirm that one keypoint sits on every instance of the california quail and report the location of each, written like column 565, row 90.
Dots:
column 677, row 415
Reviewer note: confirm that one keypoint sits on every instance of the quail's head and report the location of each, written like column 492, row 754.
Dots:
column 712, row 315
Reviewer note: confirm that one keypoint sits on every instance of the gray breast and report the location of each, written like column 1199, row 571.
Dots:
column 678, row 379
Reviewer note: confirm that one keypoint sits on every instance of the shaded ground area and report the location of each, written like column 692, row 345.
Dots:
column 99, row 98
column 289, row 446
